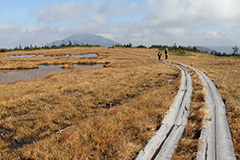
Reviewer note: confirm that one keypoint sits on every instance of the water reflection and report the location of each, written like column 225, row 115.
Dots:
column 41, row 55
column 20, row 56
column 42, row 72
column 81, row 56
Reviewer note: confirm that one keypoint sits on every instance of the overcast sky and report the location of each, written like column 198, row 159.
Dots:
column 184, row 22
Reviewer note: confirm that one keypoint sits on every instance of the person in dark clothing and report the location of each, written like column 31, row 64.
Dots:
column 166, row 53
column 159, row 55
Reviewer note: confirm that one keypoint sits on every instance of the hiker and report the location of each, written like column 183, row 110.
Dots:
column 159, row 55
column 166, row 53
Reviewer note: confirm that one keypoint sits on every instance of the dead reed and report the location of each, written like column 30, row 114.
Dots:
column 104, row 113
column 225, row 73
column 188, row 144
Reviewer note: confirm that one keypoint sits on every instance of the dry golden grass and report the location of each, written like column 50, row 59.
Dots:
column 225, row 73
column 112, row 112
column 188, row 144
column 52, row 57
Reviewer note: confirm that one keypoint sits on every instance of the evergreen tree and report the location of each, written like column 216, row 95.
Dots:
column 235, row 49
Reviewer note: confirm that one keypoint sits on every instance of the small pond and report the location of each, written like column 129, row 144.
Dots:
column 81, row 56
column 42, row 72
column 41, row 55
column 20, row 56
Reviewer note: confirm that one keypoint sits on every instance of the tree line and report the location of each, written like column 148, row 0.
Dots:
column 234, row 53
column 161, row 47
column 47, row 46
column 180, row 49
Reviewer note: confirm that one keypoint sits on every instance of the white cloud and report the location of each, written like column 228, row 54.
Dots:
column 87, row 10
column 98, row 18
column 107, row 35
column 12, row 35
column 34, row 29
column 213, row 34
column 66, row 11
column 9, row 28
column 195, row 13
column 9, row 33
column 118, row 7
column 185, row 22
column 175, row 31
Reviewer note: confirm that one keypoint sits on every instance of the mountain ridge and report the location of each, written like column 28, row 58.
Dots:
column 221, row 49
column 84, row 39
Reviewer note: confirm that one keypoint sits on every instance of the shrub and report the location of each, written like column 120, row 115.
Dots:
column 3, row 50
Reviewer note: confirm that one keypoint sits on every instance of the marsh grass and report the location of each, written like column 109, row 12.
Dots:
column 181, row 53
column 105, row 113
column 51, row 57
column 108, row 113
column 188, row 144
column 225, row 73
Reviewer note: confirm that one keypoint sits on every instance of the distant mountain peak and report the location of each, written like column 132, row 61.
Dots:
column 221, row 49
column 85, row 38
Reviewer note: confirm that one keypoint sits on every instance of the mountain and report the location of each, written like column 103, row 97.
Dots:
column 224, row 49
column 204, row 49
column 85, row 38
column 221, row 49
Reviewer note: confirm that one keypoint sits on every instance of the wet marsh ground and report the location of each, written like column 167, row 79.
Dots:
column 105, row 113
column 101, row 113
column 225, row 73
column 20, row 60
column 10, row 76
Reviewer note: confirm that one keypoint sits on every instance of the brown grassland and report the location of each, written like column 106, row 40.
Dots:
column 51, row 57
column 225, row 73
column 188, row 145
column 106, row 113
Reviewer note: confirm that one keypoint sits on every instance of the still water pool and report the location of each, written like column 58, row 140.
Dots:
column 41, row 55
column 42, row 72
